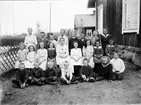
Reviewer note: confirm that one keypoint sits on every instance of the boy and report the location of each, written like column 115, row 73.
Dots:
column 86, row 72
column 50, row 76
column 66, row 74
column 118, row 67
column 21, row 76
column 37, row 75
column 104, row 71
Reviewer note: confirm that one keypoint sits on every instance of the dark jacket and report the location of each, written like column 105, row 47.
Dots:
column 87, row 71
column 50, row 72
column 37, row 73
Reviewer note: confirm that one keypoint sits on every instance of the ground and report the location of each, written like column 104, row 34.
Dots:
column 127, row 91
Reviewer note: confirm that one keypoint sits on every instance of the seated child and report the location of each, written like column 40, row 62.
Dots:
column 21, row 76
column 37, row 75
column 98, row 53
column 104, row 71
column 31, row 57
column 50, row 75
column 66, row 74
column 118, row 67
column 110, row 49
column 86, row 72
column 88, row 53
column 42, row 56
column 22, row 53
column 76, row 59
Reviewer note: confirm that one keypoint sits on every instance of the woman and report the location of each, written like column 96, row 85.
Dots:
column 62, row 52
column 95, row 37
column 88, row 53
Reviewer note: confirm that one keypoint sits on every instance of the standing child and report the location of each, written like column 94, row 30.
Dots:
column 76, row 59
column 86, row 72
column 66, row 74
column 118, row 67
column 37, row 75
column 88, row 53
column 21, row 76
column 22, row 54
column 31, row 57
column 42, row 56
column 110, row 49
column 98, row 53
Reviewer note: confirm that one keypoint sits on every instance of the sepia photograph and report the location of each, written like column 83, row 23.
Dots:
column 70, row 52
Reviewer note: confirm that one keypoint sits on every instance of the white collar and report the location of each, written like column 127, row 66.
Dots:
column 110, row 45
column 97, row 47
column 105, row 35
column 105, row 65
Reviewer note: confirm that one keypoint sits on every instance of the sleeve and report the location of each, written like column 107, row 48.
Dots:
column 67, row 43
column 81, row 71
column 26, row 76
column 28, row 56
column 57, row 50
column 80, row 52
column 71, row 54
column 46, row 55
column 62, row 73
column 91, row 72
column 38, row 54
column 18, row 76
column 122, row 66
column 25, row 40
column 106, row 50
column 18, row 56
column 83, row 49
column 102, row 51
column 67, row 50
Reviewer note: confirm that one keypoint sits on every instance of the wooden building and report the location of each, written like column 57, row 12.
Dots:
column 121, row 17
column 85, row 22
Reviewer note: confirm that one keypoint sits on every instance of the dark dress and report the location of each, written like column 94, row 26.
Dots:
column 51, row 53
column 105, row 41
column 21, row 77
column 82, row 42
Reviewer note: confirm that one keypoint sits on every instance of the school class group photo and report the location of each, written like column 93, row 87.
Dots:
column 67, row 60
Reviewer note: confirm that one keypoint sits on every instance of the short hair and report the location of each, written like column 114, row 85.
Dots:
column 42, row 32
column 31, row 46
column 21, row 44
column 63, row 30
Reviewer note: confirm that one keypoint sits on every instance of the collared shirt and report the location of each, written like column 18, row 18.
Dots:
column 30, row 39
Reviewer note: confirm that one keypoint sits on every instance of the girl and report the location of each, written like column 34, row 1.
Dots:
column 110, row 49
column 42, row 56
column 88, row 53
column 22, row 54
column 31, row 57
column 118, row 67
column 98, row 53
column 76, row 58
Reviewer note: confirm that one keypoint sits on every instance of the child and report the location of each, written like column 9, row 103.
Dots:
column 98, row 53
column 22, row 54
column 118, row 67
column 88, row 53
column 42, row 56
column 52, row 40
column 50, row 74
column 104, row 71
column 51, row 52
column 110, row 49
column 37, row 75
column 31, row 57
column 66, row 74
column 76, row 59
column 21, row 76
column 86, row 72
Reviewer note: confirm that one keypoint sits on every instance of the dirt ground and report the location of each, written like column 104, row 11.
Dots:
column 127, row 91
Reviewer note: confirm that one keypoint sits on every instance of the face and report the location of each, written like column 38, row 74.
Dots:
column 22, row 47
column 50, row 64
column 22, row 66
column 97, row 43
column 29, row 31
column 62, row 32
column 105, row 60
column 95, row 33
column 75, row 45
column 42, row 35
column 36, row 65
column 111, row 42
column 51, row 45
column 88, row 42
column 61, row 41
column 31, row 48
column 51, row 37
column 73, row 33
column 82, row 35
column 116, row 56
column 105, row 31
column 41, row 45
column 85, row 63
